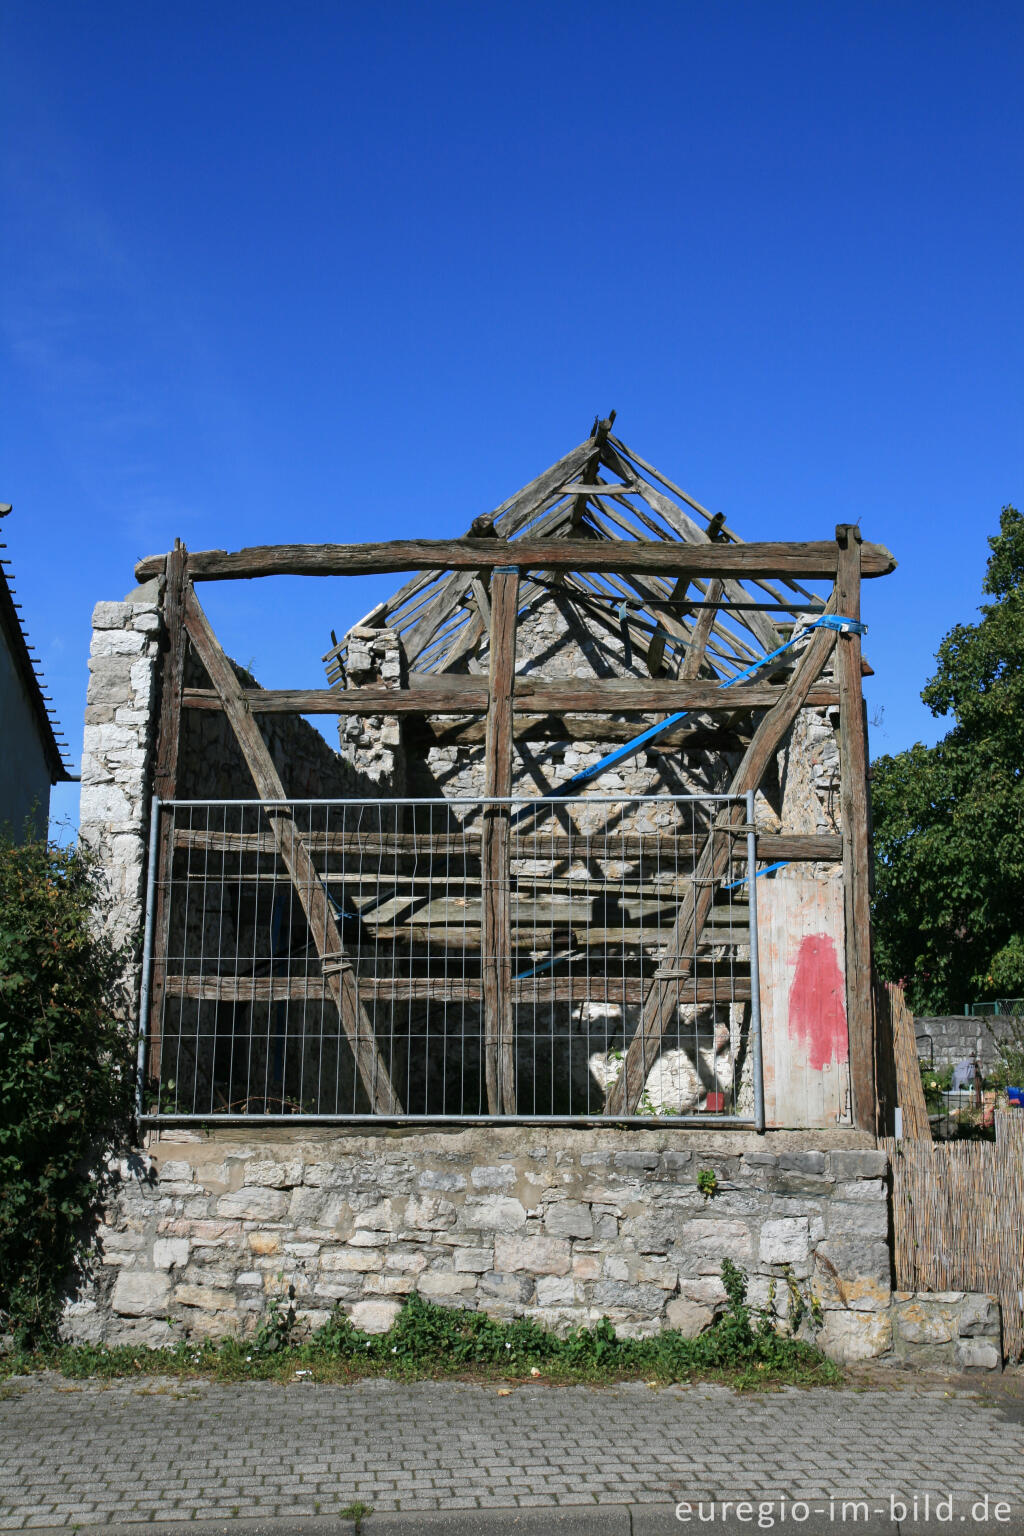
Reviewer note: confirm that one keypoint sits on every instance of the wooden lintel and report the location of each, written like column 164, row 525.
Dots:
column 575, row 989
column 664, row 850
column 813, row 559
column 448, row 695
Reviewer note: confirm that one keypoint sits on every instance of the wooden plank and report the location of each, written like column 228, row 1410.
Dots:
column 441, row 989
column 771, row 846
column 813, row 559
column 456, row 935
column 495, row 852
column 454, row 695
column 909, row 1090
column 853, row 767
column 165, row 783
column 660, row 1008
column 804, row 1033
column 308, row 885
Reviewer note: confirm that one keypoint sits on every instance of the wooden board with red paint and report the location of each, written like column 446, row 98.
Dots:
column 805, row 1039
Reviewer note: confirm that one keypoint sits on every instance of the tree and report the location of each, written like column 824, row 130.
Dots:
column 65, row 1077
column 949, row 819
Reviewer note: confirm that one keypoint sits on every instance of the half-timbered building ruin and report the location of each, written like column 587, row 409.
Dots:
column 579, row 904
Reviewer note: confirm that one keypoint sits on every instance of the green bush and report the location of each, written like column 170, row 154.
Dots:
column 935, row 1081
column 1009, row 1068
column 65, row 1077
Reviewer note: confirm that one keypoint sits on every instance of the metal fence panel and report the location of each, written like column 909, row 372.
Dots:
column 247, row 1026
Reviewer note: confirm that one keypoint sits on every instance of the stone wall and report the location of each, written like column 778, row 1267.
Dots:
column 120, row 722
column 950, row 1038
column 563, row 1227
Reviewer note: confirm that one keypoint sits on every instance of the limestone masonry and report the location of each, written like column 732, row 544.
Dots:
column 558, row 1226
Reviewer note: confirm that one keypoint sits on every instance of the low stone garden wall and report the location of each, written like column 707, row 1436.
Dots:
column 558, row 1225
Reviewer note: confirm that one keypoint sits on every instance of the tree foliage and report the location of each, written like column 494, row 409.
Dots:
column 949, row 819
column 65, row 1077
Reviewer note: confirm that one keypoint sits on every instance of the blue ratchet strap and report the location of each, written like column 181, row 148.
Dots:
column 766, row 871
column 547, row 965
column 339, row 910
column 838, row 622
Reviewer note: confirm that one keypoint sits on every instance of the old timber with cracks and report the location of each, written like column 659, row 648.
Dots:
column 597, row 758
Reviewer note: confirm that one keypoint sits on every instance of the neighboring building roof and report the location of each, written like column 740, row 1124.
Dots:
column 28, row 668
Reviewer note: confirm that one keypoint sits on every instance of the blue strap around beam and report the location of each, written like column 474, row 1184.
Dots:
column 836, row 621
column 766, row 871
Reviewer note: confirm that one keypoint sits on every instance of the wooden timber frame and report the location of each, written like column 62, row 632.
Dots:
column 699, row 574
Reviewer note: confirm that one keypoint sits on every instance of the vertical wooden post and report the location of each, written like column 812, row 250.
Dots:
column 165, row 780
column 498, row 1024
column 853, row 757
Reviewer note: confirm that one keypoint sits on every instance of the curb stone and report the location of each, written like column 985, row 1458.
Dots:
column 596, row 1520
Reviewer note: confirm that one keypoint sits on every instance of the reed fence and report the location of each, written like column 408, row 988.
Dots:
column 958, row 1218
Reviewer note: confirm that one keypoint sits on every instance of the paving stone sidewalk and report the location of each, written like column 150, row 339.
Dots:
column 119, row 1453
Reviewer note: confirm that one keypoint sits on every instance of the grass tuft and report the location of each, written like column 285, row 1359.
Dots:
column 743, row 1347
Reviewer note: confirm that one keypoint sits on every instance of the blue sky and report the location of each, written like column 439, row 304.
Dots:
column 337, row 271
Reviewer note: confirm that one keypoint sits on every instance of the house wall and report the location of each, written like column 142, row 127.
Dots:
column 24, row 769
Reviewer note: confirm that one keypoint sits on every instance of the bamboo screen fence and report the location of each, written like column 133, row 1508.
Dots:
column 958, row 1218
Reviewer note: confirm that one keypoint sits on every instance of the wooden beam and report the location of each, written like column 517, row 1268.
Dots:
column 457, row 695
column 853, row 792
column 796, row 847
column 694, row 658
column 513, row 514
column 165, row 782
column 428, row 733
column 308, row 885
column 656, row 649
column 495, row 853
column 815, row 559
column 441, row 989
column 660, row 1007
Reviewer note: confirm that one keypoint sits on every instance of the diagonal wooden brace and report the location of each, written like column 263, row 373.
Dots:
column 663, row 1001
column 339, row 974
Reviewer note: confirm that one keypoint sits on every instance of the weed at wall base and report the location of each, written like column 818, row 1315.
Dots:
column 426, row 1340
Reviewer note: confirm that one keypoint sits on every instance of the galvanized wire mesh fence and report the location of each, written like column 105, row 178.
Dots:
column 247, row 1014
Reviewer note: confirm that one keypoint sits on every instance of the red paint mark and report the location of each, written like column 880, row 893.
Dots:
column 817, row 1009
